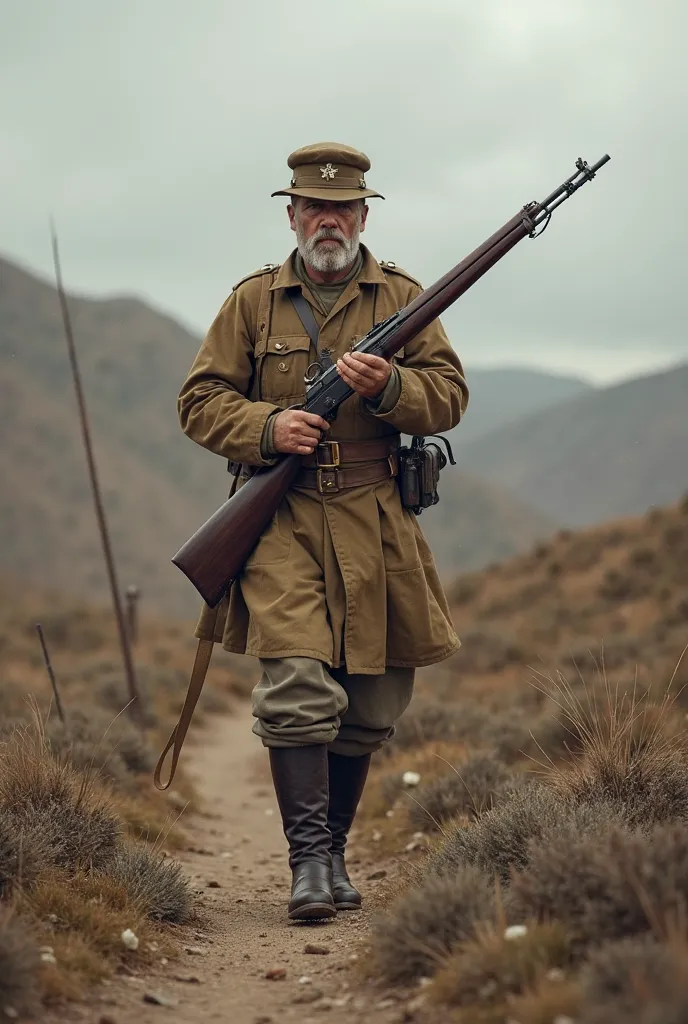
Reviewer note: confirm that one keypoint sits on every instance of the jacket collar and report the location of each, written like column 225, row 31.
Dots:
column 371, row 272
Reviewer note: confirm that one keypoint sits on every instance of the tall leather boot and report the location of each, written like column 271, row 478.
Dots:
column 301, row 783
column 347, row 779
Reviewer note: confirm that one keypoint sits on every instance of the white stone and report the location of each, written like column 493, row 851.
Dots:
column 129, row 939
column 515, row 931
column 410, row 778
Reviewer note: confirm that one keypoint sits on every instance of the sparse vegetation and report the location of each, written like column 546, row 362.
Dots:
column 579, row 831
column 80, row 823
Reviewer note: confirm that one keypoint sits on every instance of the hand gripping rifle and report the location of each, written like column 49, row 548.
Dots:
column 217, row 552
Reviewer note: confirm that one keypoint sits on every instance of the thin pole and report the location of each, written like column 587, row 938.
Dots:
column 133, row 596
column 51, row 674
column 129, row 671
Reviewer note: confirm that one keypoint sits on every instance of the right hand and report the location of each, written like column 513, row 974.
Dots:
column 297, row 432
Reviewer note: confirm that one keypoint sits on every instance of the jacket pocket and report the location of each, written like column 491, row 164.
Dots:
column 275, row 544
column 283, row 366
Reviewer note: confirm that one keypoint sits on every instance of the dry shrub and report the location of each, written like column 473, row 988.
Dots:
column 555, row 999
column 607, row 885
column 20, row 964
column 154, row 884
column 492, row 968
column 50, row 804
column 425, row 924
column 115, row 748
column 628, row 756
column 428, row 721
column 499, row 841
column 499, row 838
column 636, row 980
column 21, row 855
column 485, row 649
column 471, row 788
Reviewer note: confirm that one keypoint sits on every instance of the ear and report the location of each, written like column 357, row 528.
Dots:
column 364, row 217
column 292, row 215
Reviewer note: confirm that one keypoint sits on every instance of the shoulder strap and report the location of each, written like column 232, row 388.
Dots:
column 267, row 268
column 204, row 652
column 305, row 315
column 176, row 740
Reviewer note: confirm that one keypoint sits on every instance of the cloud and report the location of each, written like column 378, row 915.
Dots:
column 155, row 133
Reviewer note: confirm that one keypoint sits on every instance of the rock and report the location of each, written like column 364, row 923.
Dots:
column 276, row 973
column 309, row 995
column 187, row 979
column 129, row 939
column 377, row 875
column 313, row 947
column 106, row 1019
column 194, row 950
column 263, row 1019
column 410, row 778
column 158, row 1000
column 515, row 931
column 213, row 884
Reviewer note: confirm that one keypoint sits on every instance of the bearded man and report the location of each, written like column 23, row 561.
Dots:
column 340, row 599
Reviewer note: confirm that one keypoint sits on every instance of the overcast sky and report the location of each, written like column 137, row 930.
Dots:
column 155, row 130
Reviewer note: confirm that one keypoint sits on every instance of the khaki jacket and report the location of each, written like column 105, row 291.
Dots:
column 346, row 578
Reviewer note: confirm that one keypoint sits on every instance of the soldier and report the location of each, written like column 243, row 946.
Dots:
column 340, row 599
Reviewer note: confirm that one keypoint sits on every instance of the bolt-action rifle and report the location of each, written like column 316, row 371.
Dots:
column 217, row 552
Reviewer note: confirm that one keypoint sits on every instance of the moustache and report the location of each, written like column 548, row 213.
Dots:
column 328, row 235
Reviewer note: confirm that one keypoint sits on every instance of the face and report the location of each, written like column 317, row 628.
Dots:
column 327, row 233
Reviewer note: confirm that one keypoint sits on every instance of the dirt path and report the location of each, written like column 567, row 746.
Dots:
column 238, row 860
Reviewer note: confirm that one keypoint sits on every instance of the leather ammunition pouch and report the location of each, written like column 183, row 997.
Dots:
column 419, row 472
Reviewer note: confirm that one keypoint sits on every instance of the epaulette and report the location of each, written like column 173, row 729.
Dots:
column 388, row 265
column 267, row 268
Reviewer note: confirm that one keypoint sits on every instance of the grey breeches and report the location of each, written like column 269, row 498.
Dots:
column 299, row 701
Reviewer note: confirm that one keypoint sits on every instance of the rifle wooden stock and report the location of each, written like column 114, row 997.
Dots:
column 217, row 552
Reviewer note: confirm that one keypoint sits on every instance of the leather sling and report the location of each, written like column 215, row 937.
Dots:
column 305, row 315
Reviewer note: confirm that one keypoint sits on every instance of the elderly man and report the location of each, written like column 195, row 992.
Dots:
column 340, row 600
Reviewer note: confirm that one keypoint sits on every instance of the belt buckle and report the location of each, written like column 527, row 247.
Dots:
column 332, row 454
column 327, row 480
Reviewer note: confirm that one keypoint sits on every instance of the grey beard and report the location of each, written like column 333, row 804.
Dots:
column 332, row 259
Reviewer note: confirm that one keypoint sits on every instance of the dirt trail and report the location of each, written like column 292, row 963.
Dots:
column 238, row 848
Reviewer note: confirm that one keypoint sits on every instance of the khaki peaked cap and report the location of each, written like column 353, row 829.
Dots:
column 329, row 171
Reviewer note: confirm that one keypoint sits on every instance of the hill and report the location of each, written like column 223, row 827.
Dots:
column 503, row 395
column 614, row 594
column 610, row 453
column 158, row 485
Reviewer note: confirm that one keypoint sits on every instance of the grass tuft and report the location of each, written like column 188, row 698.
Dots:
column 48, row 803
column 424, row 925
column 636, row 980
column 472, row 787
column 608, row 885
column 629, row 757
column 155, row 884
column 492, row 968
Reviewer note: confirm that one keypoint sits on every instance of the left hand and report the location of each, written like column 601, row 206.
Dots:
column 366, row 374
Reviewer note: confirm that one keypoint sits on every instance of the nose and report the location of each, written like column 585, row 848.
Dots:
column 328, row 220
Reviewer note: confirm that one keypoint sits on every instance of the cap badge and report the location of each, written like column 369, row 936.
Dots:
column 328, row 172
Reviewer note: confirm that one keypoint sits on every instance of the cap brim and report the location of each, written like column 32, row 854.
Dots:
column 332, row 195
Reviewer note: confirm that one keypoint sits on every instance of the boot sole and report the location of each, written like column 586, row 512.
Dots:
column 348, row 906
column 313, row 912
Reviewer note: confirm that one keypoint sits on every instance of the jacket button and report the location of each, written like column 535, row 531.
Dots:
column 279, row 345
column 283, row 367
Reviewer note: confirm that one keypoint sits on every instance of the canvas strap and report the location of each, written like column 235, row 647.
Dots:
column 305, row 315
column 204, row 653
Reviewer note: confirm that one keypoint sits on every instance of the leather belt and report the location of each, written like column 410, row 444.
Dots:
column 336, row 453
column 330, row 479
